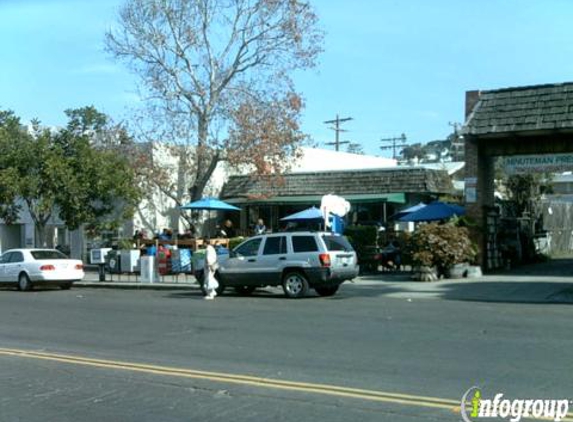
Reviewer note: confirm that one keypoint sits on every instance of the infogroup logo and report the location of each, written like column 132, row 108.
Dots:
column 475, row 407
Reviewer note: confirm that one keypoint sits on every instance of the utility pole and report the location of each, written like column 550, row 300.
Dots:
column 396, row 142
column 337, row 131
column 457, row 146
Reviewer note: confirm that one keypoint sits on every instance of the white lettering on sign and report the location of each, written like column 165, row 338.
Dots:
column 550, row 163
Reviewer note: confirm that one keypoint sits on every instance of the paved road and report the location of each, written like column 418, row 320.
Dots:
column 124, row 355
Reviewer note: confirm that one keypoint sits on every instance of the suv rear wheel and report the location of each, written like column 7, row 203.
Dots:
column 295, row 285
column 327, row 290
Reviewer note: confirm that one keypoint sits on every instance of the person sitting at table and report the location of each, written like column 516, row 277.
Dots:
column 227, row 230
column 391, row 256
column 165, row 235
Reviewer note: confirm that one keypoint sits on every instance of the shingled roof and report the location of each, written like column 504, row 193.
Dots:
column 351, row 182
column 537, row 108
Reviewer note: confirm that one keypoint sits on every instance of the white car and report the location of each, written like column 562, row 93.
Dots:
column 30, row 267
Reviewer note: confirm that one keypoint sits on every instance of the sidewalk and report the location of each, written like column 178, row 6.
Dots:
column 133, row 281
column 517, row 287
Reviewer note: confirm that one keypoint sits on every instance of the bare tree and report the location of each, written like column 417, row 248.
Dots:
column 215, row 73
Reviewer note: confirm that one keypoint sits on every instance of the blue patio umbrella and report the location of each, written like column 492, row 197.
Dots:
column 209, row 203
column 434, row 211
column 408, row 210
column 312, row 213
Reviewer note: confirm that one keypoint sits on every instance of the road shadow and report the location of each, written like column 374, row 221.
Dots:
column 35, row 289
column 531, row 292
column 475, row 290
column 230, row 293
column 554, row 267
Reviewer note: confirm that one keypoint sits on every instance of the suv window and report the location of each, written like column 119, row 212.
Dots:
column 337, row 243
column 304, row 244
column 275, row 245
column 250, row 248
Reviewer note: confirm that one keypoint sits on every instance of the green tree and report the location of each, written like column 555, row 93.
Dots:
column 216, row 76
column 65, row 173
column 10, row 133
column 524, row 192
column 413, row 152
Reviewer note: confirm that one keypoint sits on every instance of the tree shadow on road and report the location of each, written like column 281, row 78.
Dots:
column 545, row 292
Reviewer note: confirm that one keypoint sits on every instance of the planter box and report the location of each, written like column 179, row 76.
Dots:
column 425, row 274
column 474, row 271
column 459, row 270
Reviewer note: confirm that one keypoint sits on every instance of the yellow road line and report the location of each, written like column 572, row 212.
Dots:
column 324, row 389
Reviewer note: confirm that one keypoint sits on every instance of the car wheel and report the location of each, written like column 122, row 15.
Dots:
column 295, row 285
column 24, row 283
column 66, row 286
column 326, row 290
column 245, row 290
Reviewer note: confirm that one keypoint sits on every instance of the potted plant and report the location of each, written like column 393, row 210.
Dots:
column 435, row 248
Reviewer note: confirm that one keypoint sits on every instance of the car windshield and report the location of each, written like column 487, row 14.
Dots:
column 337, row 243
column 48, row 255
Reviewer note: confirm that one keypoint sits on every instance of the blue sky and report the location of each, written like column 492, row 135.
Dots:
column 394, row 66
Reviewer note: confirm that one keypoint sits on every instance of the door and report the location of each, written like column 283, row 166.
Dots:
column 14, row 267
column 273, row 259
column 241, row 268
column 4, row 260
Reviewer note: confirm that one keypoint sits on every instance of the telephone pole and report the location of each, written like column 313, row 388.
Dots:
column 396, row 142
column 337, row 142
column 457, row 146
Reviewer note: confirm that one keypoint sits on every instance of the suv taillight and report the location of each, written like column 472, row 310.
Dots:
column 324, row 259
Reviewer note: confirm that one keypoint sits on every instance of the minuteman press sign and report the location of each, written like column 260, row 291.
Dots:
column 547, row 163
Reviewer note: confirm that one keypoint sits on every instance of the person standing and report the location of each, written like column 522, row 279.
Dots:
column 210, row 282
column 260, row 227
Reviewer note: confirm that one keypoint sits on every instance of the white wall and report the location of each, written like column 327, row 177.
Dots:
column 319, row 159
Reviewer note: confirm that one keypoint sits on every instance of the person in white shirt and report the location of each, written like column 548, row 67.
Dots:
column 260, row 228
column 210, row 268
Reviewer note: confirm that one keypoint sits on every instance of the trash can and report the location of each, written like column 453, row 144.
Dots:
column 147, row 269
column 198, row 262
column 129, row 260
column 113, row 262
column 164, row 261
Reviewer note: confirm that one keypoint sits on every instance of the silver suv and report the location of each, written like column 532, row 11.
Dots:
column 296, row 260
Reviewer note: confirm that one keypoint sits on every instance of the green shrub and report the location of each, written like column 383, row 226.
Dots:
column 235, row 241
column 125, row 243
column 441, row 246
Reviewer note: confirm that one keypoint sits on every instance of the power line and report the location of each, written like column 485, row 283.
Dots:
column 396, row 142
column 337, row 142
